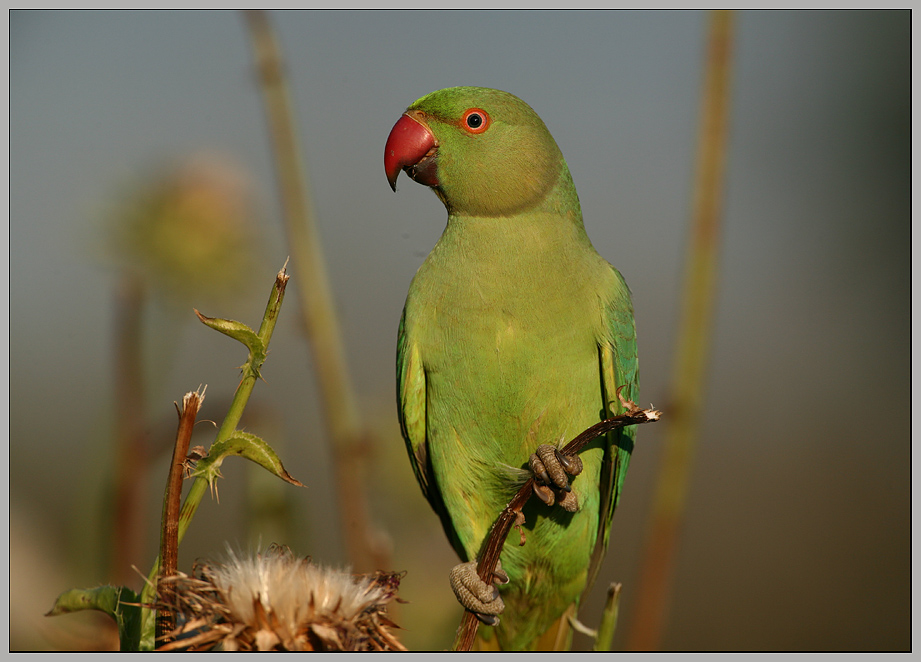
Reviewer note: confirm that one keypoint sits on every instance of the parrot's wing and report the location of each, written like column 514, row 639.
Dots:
column 411, row 405
column 618, row 361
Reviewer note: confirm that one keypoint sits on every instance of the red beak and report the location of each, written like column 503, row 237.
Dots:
column 411, row 147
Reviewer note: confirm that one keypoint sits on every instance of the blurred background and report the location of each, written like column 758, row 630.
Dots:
column 142, row 185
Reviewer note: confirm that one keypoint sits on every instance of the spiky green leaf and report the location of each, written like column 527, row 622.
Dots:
column 241, row 332
column 245, row 445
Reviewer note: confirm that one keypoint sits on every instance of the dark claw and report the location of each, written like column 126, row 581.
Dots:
column 487, row 619
column 571, row 463
column 545, row 494
column 499, row 576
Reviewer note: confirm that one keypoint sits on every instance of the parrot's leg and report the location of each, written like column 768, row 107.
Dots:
column 550, row 468
column 476, row 595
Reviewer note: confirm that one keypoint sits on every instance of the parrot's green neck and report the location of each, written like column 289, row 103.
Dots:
column 559, row 202
column 519, row 256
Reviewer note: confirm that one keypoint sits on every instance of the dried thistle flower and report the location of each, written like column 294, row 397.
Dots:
column 275, row 601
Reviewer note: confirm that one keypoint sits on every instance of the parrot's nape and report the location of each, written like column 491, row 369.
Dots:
column 514, row 338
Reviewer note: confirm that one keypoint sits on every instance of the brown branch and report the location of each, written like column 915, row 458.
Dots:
column 511, row 516
column 169, row 537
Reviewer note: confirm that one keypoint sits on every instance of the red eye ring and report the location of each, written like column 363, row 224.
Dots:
column 475, row 120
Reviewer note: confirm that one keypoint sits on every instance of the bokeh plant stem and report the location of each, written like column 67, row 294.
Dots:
column 694, row 340
column 316, row 300
column 130, row 428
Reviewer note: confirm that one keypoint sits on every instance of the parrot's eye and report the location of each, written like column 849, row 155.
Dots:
column 475, row 120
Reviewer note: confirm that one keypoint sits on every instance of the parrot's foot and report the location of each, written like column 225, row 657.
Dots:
column 550, row 468
column 476, row 595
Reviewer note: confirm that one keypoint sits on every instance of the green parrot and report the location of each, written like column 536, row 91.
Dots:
column 515, row 337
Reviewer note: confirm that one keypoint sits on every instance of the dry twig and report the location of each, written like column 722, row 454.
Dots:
column 169, row 537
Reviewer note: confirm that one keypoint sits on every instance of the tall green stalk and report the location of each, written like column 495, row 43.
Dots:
column 694, row 340
column 605, row 634
column 131, row 455
column 320, row 319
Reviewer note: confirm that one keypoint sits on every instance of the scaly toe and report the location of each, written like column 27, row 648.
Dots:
column 476, row 595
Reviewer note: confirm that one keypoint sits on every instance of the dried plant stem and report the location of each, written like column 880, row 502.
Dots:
column 320, row 319
column 489, row 558
column 169, row 536
column 694, row 336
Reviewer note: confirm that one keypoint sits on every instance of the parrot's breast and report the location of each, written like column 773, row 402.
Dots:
column 510, row 349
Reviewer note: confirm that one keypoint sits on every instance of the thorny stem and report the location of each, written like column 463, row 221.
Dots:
column 229, row 426
column 486, row 565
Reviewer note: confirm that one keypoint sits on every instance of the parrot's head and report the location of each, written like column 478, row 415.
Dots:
column 484, row 152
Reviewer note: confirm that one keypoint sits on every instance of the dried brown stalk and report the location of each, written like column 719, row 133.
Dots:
column 169, row 537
